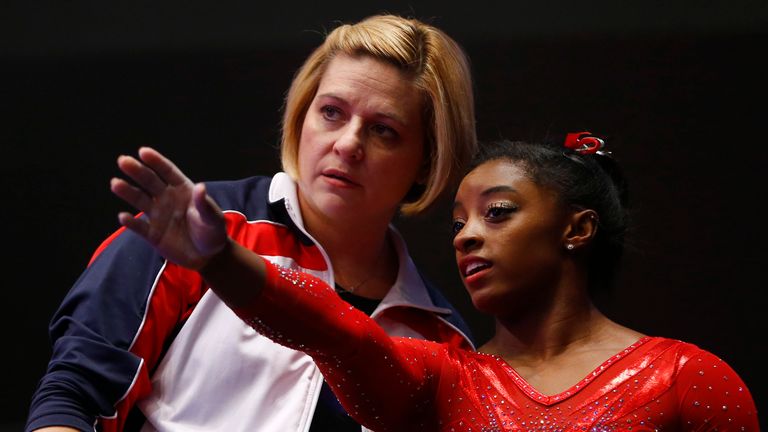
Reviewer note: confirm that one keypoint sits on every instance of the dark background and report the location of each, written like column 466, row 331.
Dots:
column 679, row 92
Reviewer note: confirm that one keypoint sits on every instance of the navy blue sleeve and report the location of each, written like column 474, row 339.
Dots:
column 91, row 367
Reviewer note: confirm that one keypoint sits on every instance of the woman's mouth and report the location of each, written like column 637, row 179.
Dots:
column 475, row 267
column 339, row 178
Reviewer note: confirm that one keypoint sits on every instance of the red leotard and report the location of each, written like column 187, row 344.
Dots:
column 401, row 384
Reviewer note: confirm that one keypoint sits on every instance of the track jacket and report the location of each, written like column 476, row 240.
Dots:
column 140, row 343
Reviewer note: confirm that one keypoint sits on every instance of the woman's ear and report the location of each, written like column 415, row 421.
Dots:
column 581, row 229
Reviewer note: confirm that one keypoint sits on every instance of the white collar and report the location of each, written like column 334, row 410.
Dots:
column 409, row 288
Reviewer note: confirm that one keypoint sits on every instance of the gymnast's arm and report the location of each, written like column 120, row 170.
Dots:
column 384, row 383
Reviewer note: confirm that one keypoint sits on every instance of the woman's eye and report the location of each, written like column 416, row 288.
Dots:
column 330, row 112
column 383, row 131
column 498, row 210
column 456, row 227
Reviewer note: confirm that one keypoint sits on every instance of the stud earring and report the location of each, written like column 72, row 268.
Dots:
column 570, row 246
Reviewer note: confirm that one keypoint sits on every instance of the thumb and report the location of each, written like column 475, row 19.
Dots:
column 210, row 212
column 207, row 222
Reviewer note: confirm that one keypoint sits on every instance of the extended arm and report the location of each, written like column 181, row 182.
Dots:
column 385, row 383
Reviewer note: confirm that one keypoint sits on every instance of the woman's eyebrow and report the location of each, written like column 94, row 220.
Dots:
column 496, row 189
column 392, row 115
column 489, row 191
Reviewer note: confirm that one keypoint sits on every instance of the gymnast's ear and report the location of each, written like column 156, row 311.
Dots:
column 581, row 229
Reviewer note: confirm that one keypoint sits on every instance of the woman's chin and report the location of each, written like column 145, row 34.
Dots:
column 486, row 302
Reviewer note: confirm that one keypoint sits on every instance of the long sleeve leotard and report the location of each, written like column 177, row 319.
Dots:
column 401, row 384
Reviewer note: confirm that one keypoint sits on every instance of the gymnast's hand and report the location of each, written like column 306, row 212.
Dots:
column 180, row 220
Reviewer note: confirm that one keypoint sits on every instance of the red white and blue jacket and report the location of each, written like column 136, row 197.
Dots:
column 140, row 343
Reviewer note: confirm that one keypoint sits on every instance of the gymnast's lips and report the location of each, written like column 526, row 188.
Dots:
column 472, row 265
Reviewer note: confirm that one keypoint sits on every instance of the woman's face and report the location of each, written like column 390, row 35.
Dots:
column 362, row 141
column 509, row 236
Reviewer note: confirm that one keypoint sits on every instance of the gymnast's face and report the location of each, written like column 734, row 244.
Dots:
column 508, row 236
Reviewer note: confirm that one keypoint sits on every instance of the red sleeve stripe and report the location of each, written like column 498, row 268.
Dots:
column 272, row 239
column 178, row 290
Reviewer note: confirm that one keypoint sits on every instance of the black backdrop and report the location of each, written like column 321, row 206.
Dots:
column 679, row 93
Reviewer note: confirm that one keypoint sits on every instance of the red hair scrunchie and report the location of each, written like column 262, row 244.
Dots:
column 584, row 143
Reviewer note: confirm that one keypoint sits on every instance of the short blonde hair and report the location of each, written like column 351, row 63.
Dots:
column 440, row 70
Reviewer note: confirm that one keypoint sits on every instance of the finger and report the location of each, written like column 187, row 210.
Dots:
column 211, row 238
column 163, row 166
column 143, row 175
column 209, row 211
column 131, row 194
column 135, row 224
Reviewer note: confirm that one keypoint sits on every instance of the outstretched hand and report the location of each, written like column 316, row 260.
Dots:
column 181, row 221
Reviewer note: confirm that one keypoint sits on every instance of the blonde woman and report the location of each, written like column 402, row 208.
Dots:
column 378, row 120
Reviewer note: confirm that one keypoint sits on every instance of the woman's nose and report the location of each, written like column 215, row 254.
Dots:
column 350, row 143
column 467, row 239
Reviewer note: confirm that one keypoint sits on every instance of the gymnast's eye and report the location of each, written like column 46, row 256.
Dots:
column 499, row 210
column 456, row 226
